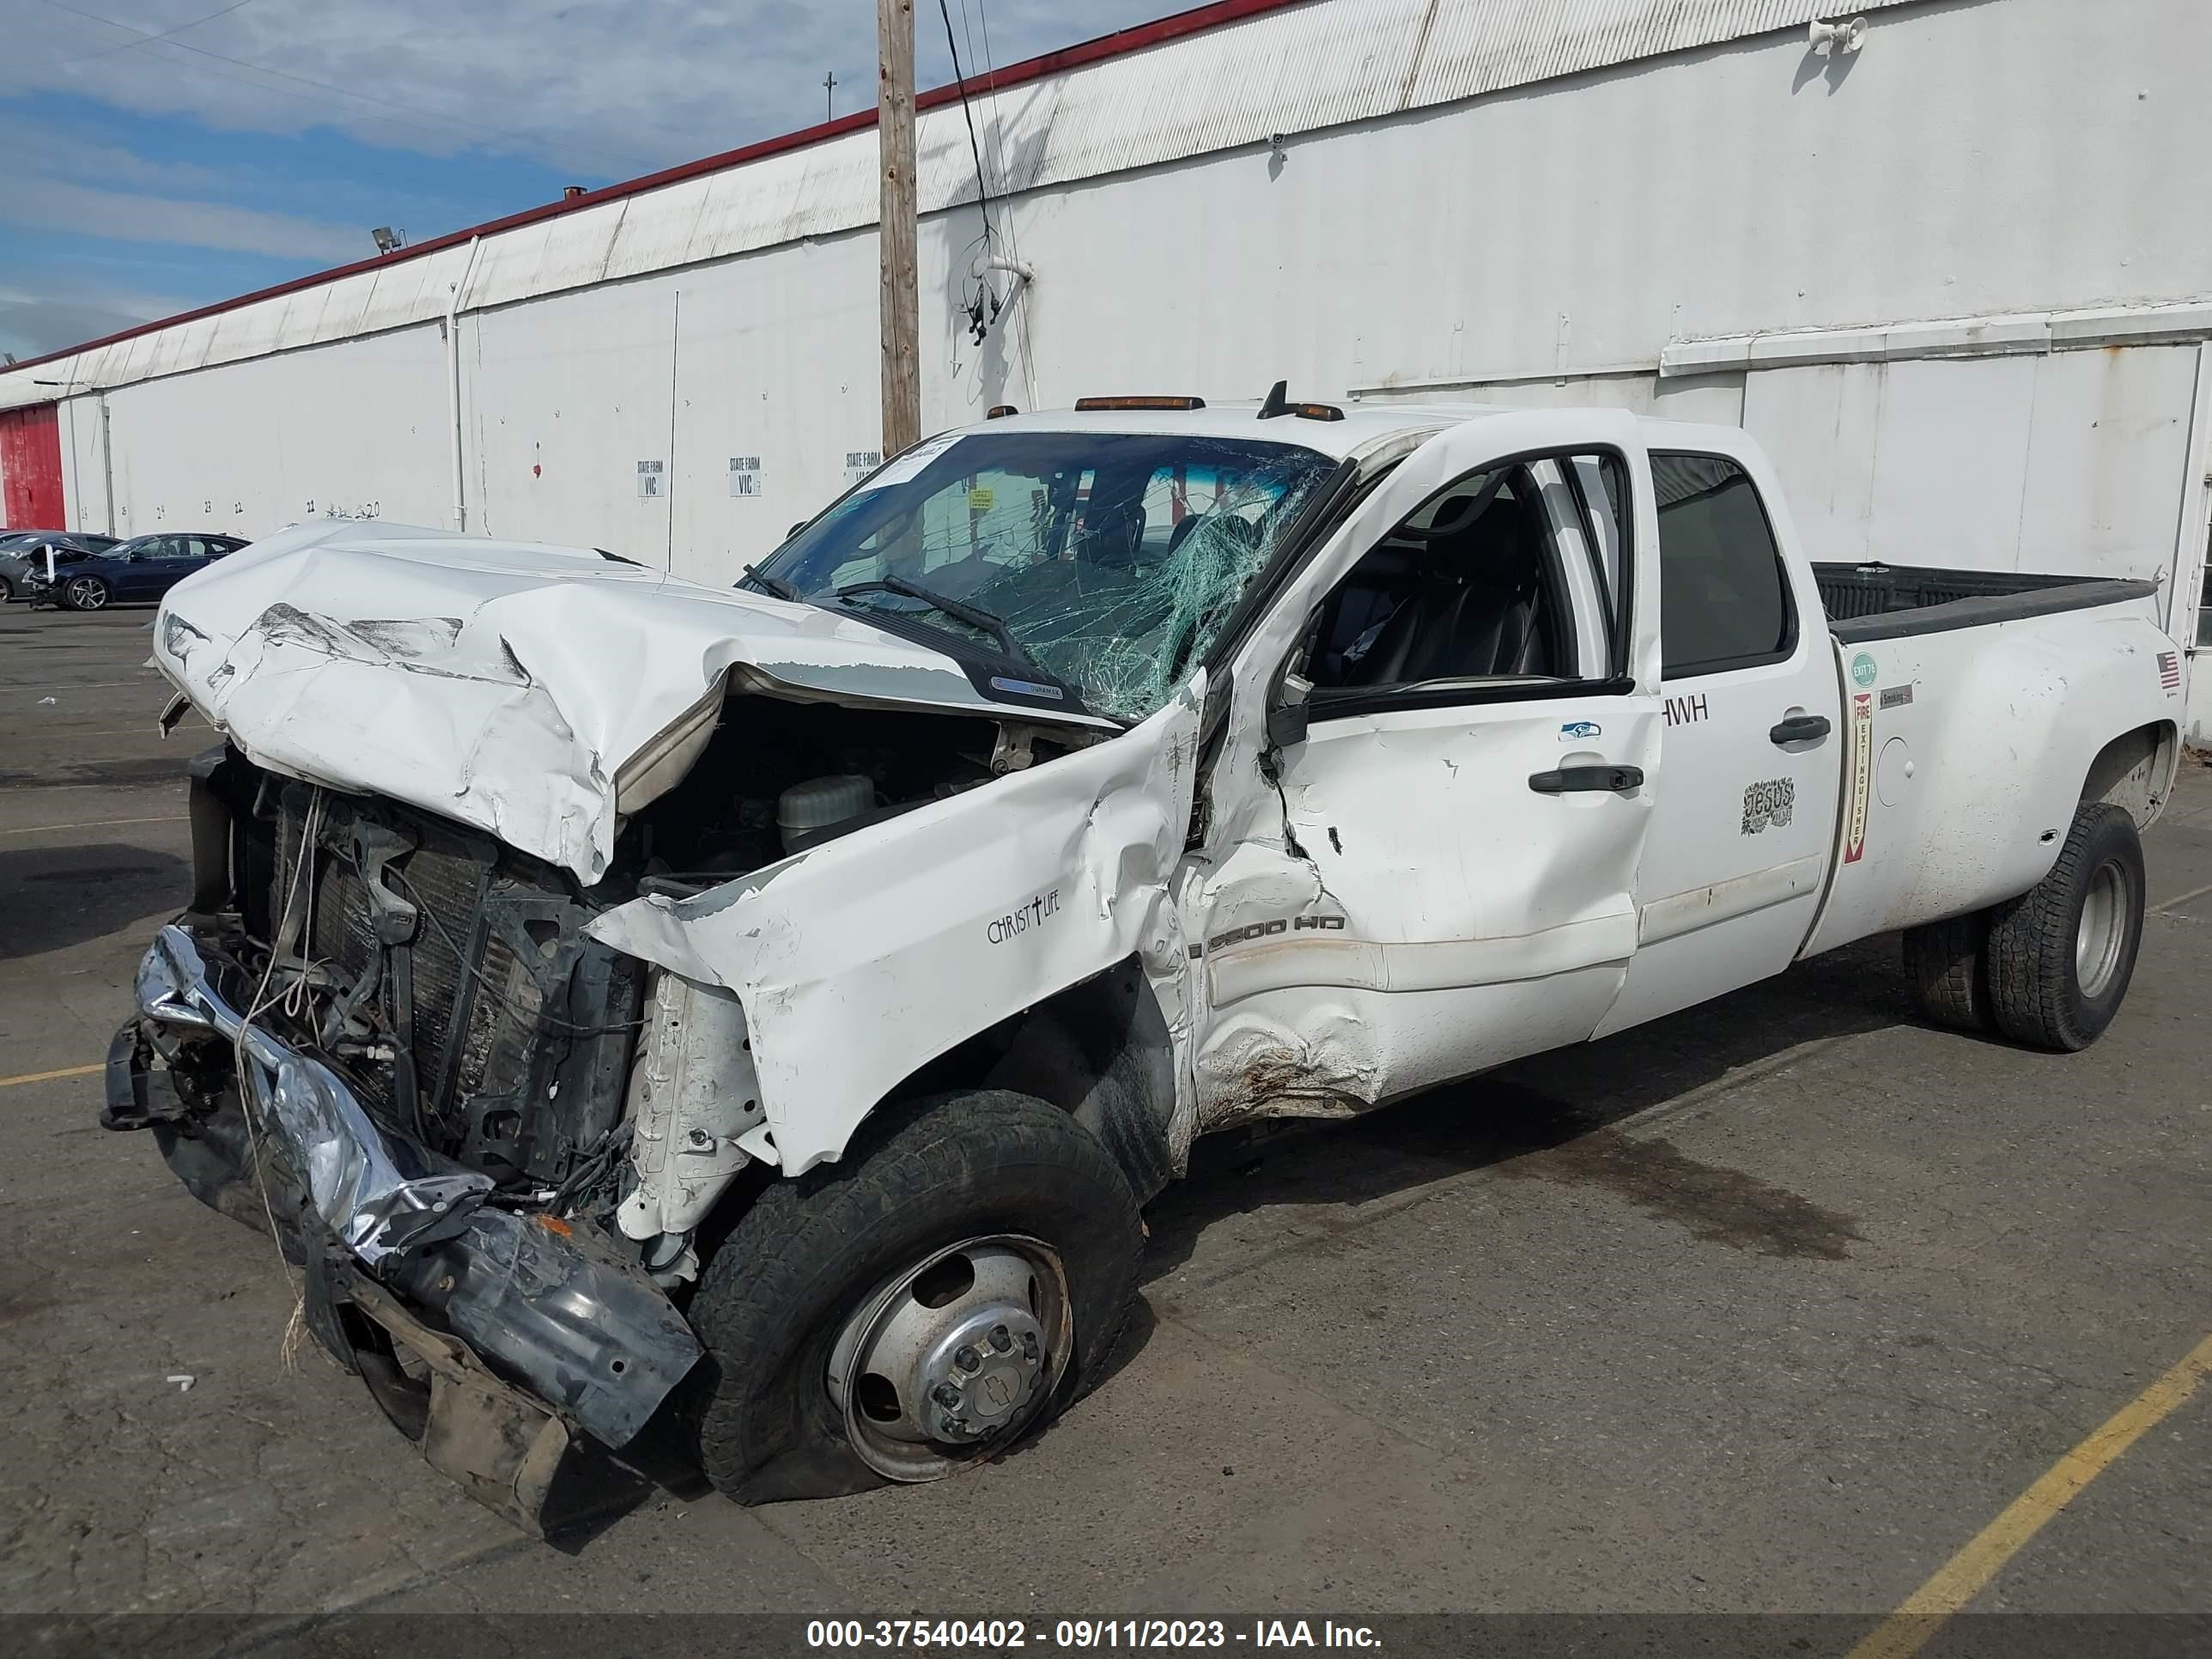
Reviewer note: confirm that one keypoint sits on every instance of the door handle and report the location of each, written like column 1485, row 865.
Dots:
column 1801, row 728
column 1582, row 779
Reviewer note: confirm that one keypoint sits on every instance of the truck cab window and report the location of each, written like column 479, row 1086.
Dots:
column 1499, row 577
column 1724, row 600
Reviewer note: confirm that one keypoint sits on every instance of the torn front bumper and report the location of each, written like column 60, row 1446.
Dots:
column 528, row 1338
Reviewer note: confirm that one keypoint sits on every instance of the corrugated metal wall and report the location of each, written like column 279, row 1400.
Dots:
column 1303, row 70
column 1503, row 235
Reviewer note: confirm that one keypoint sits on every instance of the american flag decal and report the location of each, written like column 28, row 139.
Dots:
column 2169, row 670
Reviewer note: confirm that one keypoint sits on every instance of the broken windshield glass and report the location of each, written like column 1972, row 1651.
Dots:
column 1110, row 559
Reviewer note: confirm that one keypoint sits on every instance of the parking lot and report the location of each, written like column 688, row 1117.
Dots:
column 1769, row 1307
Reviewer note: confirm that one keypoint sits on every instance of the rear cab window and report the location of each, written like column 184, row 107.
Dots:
column 1724, row 598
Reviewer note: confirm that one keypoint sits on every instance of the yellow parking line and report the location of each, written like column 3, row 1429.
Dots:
column 97, row 823
column 48, row 1077
column 1963, row 1576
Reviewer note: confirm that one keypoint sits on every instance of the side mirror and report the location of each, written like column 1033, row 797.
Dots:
column 795, row 529
column 1289, row 719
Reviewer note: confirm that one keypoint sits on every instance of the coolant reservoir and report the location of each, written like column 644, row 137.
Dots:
column 818, row 803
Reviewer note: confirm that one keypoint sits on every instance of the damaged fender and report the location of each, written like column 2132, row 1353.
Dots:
column 860, row 960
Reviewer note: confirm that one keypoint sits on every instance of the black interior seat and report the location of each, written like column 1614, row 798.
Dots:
column 1115, row 536
column 1473, row 611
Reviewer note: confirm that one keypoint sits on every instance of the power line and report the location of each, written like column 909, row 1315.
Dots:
column 147, row 38
column 997, row 130
column 124, row 46
column 982, row 189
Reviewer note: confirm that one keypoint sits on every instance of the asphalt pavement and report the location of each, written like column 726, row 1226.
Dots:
column 1773, row 1307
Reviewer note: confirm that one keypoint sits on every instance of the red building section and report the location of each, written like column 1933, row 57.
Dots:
column 31, row 469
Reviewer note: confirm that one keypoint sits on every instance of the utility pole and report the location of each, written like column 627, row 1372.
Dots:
column 895, row 229
column 829, row 96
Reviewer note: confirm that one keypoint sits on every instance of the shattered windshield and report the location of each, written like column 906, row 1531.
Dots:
column 1108, row 560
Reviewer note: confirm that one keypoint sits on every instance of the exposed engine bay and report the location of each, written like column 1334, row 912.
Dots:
column 450, row 980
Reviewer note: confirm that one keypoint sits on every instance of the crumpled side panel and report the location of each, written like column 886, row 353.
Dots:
column 865, row 957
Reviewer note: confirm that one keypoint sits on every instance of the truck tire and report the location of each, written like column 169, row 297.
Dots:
column 949, row 1286
column 1947, row 963
column 2062, row 953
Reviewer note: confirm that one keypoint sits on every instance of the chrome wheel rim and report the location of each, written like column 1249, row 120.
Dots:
column 2102, row 931
column 86, row 593
column 950, row 1360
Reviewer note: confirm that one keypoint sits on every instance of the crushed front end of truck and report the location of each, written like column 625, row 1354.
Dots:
column 527, row 927
column 389, row 1046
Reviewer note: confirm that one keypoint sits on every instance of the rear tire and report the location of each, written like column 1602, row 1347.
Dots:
column 6, row 590
column 2061, row 955
column 1947, row 963
column 794, row 1288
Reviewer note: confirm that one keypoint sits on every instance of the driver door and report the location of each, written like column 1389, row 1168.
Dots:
column 1438, row 873
column 140, row 575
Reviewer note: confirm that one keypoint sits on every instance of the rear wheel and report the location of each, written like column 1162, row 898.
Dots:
column 1947, row 963
column 2062, row 953
column 917, row 1308
column 84, row 594
column 7, row 590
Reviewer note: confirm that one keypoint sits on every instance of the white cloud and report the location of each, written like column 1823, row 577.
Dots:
column 62, row 205
column 36, row 314
column 611, row 87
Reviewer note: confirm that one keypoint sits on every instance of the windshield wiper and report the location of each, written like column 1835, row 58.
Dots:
column 974, row 615
column 775, row 585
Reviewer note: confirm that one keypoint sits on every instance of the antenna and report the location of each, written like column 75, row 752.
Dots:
column 1277, row 402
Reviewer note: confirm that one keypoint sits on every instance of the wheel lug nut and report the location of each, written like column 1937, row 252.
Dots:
column 945, row 1396
column 999, row 1339
column 967, row 1358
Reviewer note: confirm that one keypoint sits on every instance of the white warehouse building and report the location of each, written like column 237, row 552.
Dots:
column 1957, row 281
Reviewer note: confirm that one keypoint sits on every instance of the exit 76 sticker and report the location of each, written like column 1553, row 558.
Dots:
column 1855, row 826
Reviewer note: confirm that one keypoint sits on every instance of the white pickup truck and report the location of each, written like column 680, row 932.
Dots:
column 764, row 1011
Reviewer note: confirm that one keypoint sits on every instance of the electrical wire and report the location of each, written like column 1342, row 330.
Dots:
column 259, row 1002
column 996, row 130
column 974, row 148
column 126, row 45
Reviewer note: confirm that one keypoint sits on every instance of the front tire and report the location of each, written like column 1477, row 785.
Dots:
column 2062, row 953
column 946, row 1288
column 85, row 594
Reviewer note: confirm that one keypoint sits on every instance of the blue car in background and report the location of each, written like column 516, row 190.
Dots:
column 139, row 570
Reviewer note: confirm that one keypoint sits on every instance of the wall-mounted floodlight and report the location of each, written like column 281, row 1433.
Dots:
column 389, row 241
column 1834, row 40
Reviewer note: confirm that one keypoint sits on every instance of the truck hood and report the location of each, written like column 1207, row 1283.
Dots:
column 535, row 692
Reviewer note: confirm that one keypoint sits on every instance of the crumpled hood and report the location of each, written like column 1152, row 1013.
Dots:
column 531, row 691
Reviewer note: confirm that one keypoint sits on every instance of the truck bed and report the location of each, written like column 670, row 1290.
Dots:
column 1890, row 601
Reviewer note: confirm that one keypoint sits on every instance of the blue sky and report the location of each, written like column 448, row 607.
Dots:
column 261, row 140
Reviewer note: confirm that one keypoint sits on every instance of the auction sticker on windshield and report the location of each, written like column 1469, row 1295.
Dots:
column 910, row 465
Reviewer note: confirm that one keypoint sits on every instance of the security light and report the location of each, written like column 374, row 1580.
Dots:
column 388, row 241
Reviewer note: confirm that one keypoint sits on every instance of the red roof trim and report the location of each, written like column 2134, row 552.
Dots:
column 1119, row 44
